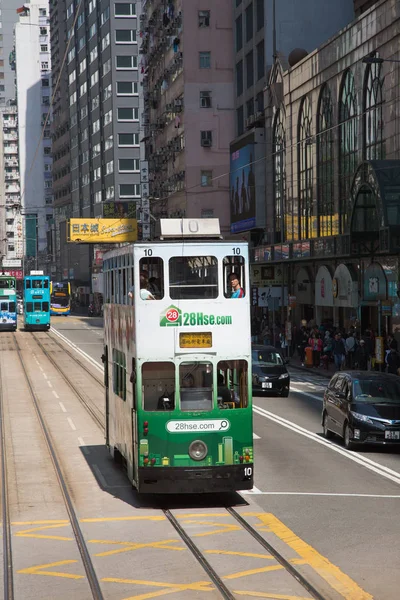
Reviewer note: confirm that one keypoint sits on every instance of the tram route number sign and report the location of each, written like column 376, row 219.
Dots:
column 174, row 317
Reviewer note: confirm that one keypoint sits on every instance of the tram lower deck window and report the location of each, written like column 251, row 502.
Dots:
column 232, row 376
column 193, row 277
column 119, row 374
column 158, row 385
column 196, row 386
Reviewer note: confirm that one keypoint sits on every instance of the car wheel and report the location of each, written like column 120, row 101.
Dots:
column 328, row 434
column 348, row 444
column 285, row 393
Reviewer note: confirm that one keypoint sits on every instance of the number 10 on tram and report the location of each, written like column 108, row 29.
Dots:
column 177, row 360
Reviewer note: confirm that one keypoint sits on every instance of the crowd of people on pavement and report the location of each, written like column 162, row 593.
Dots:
column 329, row 345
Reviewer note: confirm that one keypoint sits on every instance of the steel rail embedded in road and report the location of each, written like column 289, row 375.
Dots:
column 277, row 555
column 8, row 579
column 69, row 353
column 94, row 412
column 213, row 575
column 80, row 540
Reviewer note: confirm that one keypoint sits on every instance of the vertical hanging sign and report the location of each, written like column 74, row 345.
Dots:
column 145, row 202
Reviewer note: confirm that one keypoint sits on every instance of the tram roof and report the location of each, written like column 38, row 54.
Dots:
column 128, row 248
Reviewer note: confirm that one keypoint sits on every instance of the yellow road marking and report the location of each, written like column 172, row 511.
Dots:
column 245, row 554
column 262, row 570
column 128, row 546
column 31, row 532
column 273, row 596
column 138, row 518
column 226, row 527
column 338, row 580
column 38, row 570
column 168, row 588
column 52, row 522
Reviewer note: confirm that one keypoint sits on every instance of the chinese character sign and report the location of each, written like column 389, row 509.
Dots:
column 108, row 231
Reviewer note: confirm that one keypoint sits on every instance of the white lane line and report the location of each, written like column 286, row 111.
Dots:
column 254, row 490
column 41, row 368
column 303, row 393
column 55, row 394
column 256, row 437
column 93, row 362
column 71, row 423
column 354, row 456
column 82, row 445
column 319, row 494
column 100, row 476
column 49, row 384
column 45, row 376
column 62, row 407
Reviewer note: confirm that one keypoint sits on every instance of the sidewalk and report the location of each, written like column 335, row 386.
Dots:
column 295, row 363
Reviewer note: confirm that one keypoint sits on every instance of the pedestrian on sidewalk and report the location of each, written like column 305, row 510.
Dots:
column 393, row 362
column 351, row 346
column 362, row 356
column 339, row 351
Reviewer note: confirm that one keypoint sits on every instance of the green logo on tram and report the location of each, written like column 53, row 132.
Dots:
column 174, row 317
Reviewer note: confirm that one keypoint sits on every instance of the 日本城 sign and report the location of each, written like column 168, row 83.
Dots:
column 108, row 231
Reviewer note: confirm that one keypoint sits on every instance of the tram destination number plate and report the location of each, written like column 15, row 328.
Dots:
column 195, row 340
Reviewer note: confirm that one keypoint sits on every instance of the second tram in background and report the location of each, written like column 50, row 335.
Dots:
column 60, row 298
column 37, row 301
column 8, row 303
column 177, row 360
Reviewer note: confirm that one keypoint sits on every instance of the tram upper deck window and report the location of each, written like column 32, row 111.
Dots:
column 234, row 276
column 196, row 386
column 158, row 386
column 5, row 284
column 151, row 278
column 4, row 306
column 232, row 384
column 193, row 277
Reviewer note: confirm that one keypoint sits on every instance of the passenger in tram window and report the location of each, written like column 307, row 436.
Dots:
column 37, row 283
column 237, row 291
column 145, row 293
column 223, row 392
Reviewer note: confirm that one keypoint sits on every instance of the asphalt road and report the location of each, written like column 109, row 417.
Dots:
column 344, row 505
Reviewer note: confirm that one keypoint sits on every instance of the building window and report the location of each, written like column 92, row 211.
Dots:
column 249, row 69
column 109, row 143
column 128, row 140
column 281, row 214
column 260, row 60
column 105, row 16
column 107, row 118
column 260, row 14
column 306, row 212
column 373, row 113
column 128, row 165
column 42, row 12
column 93, row 54
column 44, row 66
column 204, row 18
column 128, row 114
column 240, row 120
column 249, row 22
column 125, row 36
column 107, row 92
column 206, row 138
column 127, row 88
column 94, row 78
column 45, row 82
column 348, row 145
column 239, row 33
column 129, row 190
column 44, row 48
column 125, row 9
column 105, row 42
column 205, row 99
column 110, row 167
column 95, row 102
column 250, row 107
column 239, row 78
column 43, row 31
column 126, row 62
column 205, row 60
column 325, row 165
column 107, row 67
column 97, row 197
column 206, row 178
column 96, row 126
column 82, row 66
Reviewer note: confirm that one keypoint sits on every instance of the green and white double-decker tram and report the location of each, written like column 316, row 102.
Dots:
column 177, row 360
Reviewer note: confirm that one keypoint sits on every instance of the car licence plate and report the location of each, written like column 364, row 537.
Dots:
column 392, row 435
column 266, row 384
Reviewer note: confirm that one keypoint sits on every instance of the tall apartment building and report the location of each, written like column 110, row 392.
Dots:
column 186, row 70
column 33, row 72
column 8, row 19
column 11, row 239
column 266, row 27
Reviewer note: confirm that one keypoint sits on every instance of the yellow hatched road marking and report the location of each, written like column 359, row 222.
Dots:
column 273, row 596
column 31, row 532
column 226, row 527
column 38, row 570
column 262, row 570
column 168, row 588
column 52, row 522
column 138, row 518
column 128, row 546
column 245, row 554
column 338, row 580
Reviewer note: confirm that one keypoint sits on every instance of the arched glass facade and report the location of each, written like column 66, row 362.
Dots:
column 279, row 154
column 348, row 145
column 327, row 221
column 306, row 227
column 373, row 113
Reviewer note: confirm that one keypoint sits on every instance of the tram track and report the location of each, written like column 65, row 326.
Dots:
column 224, row 590
column 8, row 580
column 96, row 414
column 74, row 521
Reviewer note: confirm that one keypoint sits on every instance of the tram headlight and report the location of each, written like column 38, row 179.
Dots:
column 198, row 450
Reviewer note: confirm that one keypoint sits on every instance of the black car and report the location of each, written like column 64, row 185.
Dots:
column 363, row 408
column 269, row 371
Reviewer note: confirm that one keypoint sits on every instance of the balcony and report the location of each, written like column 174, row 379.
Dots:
column 10, row 137
column 11, row 149
column 11, row 162
column 12, row 187
column 11, row 176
